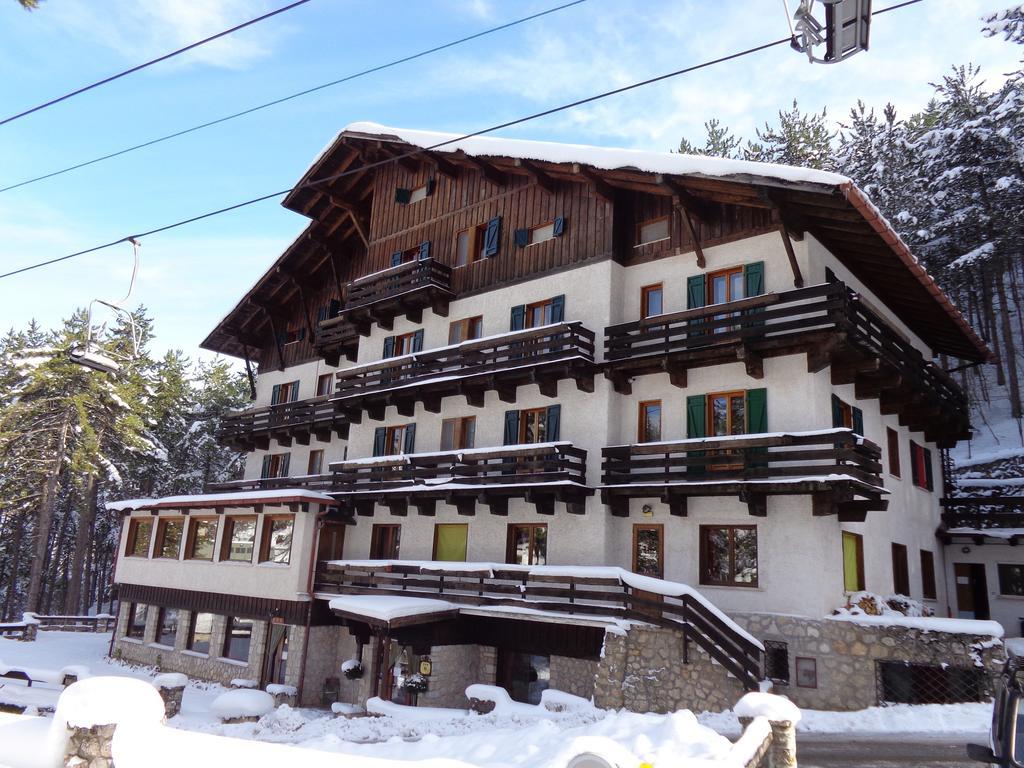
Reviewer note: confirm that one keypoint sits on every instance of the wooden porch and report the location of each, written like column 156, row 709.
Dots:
column 840, row 471
column 828, row 322
column 406, row 289
column 608, row 593
column 300, row 421
column 541, row 474
column 541, row 356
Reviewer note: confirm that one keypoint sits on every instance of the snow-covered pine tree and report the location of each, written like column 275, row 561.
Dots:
column 800, row 139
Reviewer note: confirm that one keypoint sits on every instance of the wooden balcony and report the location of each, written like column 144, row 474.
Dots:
column 828, row 322
column 406, row 289
column 837, row 468
column 981, row 518
column 299, row 421
column 538, row 590
column 541, row 356
column 322, row 483
column 542, row 474
column 335, row 338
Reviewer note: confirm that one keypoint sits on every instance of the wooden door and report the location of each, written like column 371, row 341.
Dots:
column 971, row 591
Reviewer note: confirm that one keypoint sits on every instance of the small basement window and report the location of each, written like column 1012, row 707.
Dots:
column 652, row 231
column 136, row 621
column 237, row 638
column 200, row 631
column 776, row 661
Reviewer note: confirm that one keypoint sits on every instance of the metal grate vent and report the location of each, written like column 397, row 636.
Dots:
column 776, row 661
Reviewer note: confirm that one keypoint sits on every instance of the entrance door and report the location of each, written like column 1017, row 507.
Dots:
column 524, row 675
column 971, row 591
column 332, row 541
column 277, row 654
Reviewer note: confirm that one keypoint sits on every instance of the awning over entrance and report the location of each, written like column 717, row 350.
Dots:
column 387, row 612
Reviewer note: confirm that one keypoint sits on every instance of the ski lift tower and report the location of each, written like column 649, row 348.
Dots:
column 843, row 32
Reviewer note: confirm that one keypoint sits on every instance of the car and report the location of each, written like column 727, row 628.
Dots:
column 1006, row 739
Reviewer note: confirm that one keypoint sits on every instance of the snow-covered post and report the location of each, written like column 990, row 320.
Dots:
column 782, row 715
column 31, row 627
column 171, row 687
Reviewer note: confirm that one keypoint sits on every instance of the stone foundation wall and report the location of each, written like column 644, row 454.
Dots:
column 845, row 653
column 642, row 670
column 453, row 668
column 575, row 676
column 204, row 666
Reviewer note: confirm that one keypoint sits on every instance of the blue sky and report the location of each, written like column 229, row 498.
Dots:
column 190, row 277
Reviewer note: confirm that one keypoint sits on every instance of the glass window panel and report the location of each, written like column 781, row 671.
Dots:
column 719, row 416
column 237, row 638
column 202, row 631
column 736, row 286
column 737, row 409
column 1011, row 579
column 653, row 230
column 243, row 540
column 718, row 289
column 141, row 530
column 448, row 435
column 468, row 432
column 654, row 302
column 648, row 552
column 745, row 555
column 462, row 248
column 137, row 621
column 540, row 234
column 521, row 545
column 476, row 327
column 204, row 536
column 279, row 546
column 717, row 543
column 540, row 545
column 170, row 540
column 652, row 422
column 167, row 629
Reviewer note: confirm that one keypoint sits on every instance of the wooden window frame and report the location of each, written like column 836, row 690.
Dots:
column 133, row 536
column 544, row 304
column 704, row 530
column 522, row 424
column 645, row 300
column 710, row 412
column 132, row 629
column 709, row 285
column 892, row 439
column 190, row 640
column 329, row 379
column 160, row 616
column 459, row 431
column 292, row 335
column 190, row 539
column 510, row 542
column 465, row 325
column 813, row 670
column 161, row 532
column 861, row 576
column 641, row 421
column 274, row 468
column 404, row 341
column 900, row 569
column 658, row 528
column 395, row 534
column 639, row 241
column 226, row 646
column 437, row 530
column 475, row 236
column 537, row 228
column 389, row 438
column 318, row 452
column 266, row 528
column 227, row 537
column 929, row 586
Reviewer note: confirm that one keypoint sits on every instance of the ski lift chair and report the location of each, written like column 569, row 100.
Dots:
column 844, row 32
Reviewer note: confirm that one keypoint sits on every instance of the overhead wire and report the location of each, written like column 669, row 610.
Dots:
column 151, row 62
column 422, row 150
column 297, row 94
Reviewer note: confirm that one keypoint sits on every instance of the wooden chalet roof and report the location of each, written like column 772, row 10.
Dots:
column 829, row 206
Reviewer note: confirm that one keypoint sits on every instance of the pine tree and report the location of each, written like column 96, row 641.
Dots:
column 718, row 142
column 800, row 139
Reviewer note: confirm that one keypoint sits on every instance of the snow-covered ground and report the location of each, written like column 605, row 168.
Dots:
column 516, row 736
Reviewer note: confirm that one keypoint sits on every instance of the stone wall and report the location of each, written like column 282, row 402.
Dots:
column 575, row 676
column 845, row 653
column 643, row 670
column 453, row 669
column 204, row 666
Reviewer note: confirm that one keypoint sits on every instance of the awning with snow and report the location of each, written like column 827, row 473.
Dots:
column 386, row 612
column 276, row 497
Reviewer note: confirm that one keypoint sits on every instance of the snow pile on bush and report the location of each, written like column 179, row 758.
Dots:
column 900, row 611
column 242, row 702
column 871, row 604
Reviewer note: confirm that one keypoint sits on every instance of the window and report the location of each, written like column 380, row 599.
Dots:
column 651, row 300
column 527, row 544
column 469, row 245
column 315, row 464
column 391, row 441
column 293, row 335
column 457, row 434
column 776, row 661
column 853, row 562
column 420, row 193
column 928, row 590
column 239, row 538
column 538, row 314
column 727, row 414
column 136, row 621
column 139, row 533
column 725, row 285
column 648, row 428
column 921, row 466
column 892, row 439
column 533, row 426
column 200, row 631
column 284, row 393
column 167, row 626
column 276, row 542
column 408, row 255
column 202, row 535
column 541, row 233
column 1011, row 579
column 806, row 672
column 405, row 196
column 237, row 637
column 384, row 541
column 450, row 541
column 652, row 231
column 845, row 416
column 465, row 330
column 405, row 343
column 331, row 543
column 275, row 465
column 649, row 549
column 324, row 384
column 168, row 537
column 900, row 570
column 728, row 555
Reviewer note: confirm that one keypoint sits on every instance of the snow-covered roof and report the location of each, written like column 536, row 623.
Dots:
column 209, row 500
column 388, row 608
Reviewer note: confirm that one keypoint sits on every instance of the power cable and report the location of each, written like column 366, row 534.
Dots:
column 421, row 150
column 283, row 99
column 151, row 62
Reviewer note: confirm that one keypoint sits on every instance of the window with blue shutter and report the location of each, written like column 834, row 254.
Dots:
column 522, row 238
column 380, row 435
column 858, row 421
column 265, row 469
column 492, row 237
column 424, row 252
column 417, row 341
column 554, row 423
column 409, row 445
column 389, row 347
column 396, row 258
column 558, row 227
column 293, row 392
column 285, row 462
column 275, row 394
column 558, row 309
column 518, row 320
column 322, row 314
column 402, row 195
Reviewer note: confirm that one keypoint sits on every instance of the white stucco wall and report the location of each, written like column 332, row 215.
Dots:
column 1008, row 610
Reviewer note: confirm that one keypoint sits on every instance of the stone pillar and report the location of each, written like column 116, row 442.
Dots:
column 782, row 753
column 171, row 692
column 29, row 635
column 90, row 747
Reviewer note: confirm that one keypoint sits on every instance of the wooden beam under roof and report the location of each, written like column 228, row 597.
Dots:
column 540, row 178
column 600, row 186
column 489, row 171
column 441, row 164
column 685, row 199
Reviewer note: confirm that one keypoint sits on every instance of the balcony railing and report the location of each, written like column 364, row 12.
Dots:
column 980, row 513
column 828, row 322
column 542, row 473
column 833, row 465
column 322, row 483
column 537, row 355
column 403, row 289
column 608, row 593
column 336, row 337
column 284, row 422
